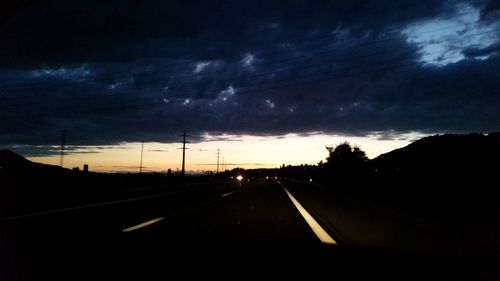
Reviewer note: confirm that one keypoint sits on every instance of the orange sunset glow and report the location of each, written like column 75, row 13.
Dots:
column 235, row 151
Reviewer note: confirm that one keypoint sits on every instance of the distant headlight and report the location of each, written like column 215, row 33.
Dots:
column 240, row 177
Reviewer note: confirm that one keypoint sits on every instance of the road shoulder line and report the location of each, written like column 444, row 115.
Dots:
column 144, row 224
column 323, row 236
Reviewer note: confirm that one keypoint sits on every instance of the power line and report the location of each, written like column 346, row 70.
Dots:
column 236, row 80
column 371, row 42
column 211, row 78
column 260, row 87
column 249, row 77
column 248, row 88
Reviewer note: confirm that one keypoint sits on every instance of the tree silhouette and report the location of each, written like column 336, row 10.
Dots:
column 345, row 159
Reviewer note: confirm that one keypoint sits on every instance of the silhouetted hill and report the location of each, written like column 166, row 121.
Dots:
column 9, row 160
column 12, row 163
column 458, row 155
column 27, row 186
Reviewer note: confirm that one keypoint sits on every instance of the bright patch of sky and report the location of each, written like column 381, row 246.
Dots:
column 238, row 151
column 226, row 94
column 115, row 85
column 269, row 103
column 248, row 60
column 71, row 73
column 200, row 66
column 442, row 40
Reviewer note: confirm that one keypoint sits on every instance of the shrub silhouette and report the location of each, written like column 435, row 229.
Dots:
column 345, row 159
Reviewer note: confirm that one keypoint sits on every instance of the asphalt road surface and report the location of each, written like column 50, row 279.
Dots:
column 235, row 230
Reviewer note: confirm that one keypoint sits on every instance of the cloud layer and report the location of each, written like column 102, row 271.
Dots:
column 130, row 71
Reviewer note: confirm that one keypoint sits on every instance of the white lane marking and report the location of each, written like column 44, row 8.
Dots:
column 141, row 225
column 97, row 205
column 229, row 193
column 318, row 230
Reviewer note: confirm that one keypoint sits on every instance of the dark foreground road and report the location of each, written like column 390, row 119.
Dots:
column 227, row 231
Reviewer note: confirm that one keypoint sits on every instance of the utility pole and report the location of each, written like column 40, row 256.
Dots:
column 218, row 153
column 183, row 172
column 142, row 149
column 63, row 146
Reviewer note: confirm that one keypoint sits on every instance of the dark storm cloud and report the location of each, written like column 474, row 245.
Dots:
column 82, row 31
column 48, row 150
column 479, row 52
column 490, row 10
column 117, row 71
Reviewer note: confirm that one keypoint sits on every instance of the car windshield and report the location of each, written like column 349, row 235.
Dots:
column 227, row 139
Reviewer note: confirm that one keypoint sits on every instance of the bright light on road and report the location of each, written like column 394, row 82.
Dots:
column 239, row 177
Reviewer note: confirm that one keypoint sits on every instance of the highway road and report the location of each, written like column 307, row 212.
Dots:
column 235, row 230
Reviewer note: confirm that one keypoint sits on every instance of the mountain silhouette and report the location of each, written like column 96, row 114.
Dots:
column 12, row 163
column 446, row 154
column 11, row 160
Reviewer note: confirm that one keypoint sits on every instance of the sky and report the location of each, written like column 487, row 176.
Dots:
column 267, row 83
